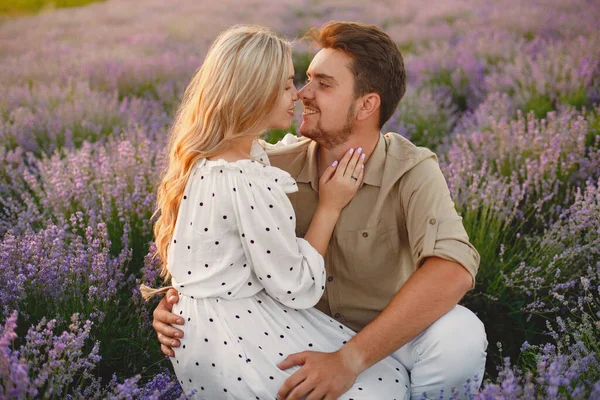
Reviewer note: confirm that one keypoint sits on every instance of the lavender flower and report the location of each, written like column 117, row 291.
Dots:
column 83, row 122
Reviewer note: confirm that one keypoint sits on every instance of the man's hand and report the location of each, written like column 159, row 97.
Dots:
column 163, row 318
column 322, row 375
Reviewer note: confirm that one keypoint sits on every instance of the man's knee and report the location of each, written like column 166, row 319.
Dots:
column 459, row 340
column 447, row 354
column 459, row 329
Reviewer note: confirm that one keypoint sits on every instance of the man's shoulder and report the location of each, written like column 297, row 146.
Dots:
column 402, row 149
column 402, row 157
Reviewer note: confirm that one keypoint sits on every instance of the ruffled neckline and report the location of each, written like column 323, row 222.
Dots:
column 255, row 168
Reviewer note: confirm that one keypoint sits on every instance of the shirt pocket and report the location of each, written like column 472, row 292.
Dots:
column 367, row 253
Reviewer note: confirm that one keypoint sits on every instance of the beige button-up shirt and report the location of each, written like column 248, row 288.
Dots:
column 401, row 215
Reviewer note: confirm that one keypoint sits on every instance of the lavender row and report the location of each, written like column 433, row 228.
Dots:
column 506, row 94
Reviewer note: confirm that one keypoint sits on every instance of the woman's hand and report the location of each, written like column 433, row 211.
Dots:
column 340, row 182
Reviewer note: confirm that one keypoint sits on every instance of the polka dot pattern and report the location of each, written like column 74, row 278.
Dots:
column 240, row 349
column 248, row 286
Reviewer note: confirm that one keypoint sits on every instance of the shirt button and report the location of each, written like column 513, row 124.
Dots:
column 330, row 278
column 365, row 234
column 337, row 315
column 432, row 221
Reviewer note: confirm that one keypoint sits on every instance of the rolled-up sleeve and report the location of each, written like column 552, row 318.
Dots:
column 433, row 226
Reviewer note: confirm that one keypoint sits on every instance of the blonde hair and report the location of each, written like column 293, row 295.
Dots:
column 231, row 95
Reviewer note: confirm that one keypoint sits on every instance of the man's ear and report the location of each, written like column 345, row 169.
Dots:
column 368, row 105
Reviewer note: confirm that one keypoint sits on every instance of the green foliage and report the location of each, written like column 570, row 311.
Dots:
column 577, row 99
column 444, row 78
column 593, row 136
column 407, row 47
column 301, row 62
column 18, row 7
column 275, row 135
column 539, row 104
column 426, row 117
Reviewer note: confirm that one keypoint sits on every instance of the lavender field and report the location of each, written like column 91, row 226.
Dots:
column 506, row 92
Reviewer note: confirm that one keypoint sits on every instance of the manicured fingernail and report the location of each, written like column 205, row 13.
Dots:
column 351, row 151
column 176, row 334
column 173, row 342
column 334, row 163
column 180, row 321
column 362, row 156
column 171, row 297
column 359, row 150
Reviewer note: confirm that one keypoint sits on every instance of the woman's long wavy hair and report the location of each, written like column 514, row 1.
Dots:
column 231, row 95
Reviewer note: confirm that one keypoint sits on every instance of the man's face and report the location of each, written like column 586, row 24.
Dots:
column 328, row 99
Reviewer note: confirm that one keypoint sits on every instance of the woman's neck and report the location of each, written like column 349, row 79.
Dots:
column 237, row 150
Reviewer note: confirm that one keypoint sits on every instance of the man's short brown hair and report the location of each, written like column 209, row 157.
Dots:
column 377, row 64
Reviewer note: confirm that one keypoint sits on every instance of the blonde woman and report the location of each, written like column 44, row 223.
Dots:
column 226, row 232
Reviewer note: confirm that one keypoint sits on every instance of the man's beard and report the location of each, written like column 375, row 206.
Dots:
column 331, row 138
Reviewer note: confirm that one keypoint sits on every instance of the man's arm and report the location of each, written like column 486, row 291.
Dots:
column 446, row 265
column 432, row 291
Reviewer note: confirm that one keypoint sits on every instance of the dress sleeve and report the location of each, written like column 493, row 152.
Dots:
column 288, row 267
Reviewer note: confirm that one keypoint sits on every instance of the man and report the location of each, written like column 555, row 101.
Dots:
column 399, row 260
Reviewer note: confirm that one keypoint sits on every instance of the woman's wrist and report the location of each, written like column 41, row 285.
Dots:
column 328, row 211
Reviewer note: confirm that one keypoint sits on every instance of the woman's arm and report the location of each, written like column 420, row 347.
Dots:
column 336, row 189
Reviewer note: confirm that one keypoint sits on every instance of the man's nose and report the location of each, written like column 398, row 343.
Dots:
column 306, row 92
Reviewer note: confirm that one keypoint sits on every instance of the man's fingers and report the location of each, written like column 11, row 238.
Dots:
column 172, row 297
column 167, row 351
column 163, row 319
column 162, row 313
column 166, row 331
column 293, row 360
column 318, row 393
column 290, row 383
column 169, row 338
column 301, row 390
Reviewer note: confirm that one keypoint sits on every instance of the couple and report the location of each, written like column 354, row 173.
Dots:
column 357, row 223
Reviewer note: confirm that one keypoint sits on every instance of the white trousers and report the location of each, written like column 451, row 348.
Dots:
column 445, row 355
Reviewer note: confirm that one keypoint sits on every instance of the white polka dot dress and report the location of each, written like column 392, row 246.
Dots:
column 248, row 285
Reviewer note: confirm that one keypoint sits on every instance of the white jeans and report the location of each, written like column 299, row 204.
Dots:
column 445, row 355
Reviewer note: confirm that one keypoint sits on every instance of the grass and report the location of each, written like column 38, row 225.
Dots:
column 12, row 8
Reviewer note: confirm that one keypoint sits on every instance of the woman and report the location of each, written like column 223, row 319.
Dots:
column 226, row 231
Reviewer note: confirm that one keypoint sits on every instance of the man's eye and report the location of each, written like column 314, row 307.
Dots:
column 323, row 85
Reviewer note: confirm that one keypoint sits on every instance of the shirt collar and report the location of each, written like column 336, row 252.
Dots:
column 310, row 173
column 373, row 168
